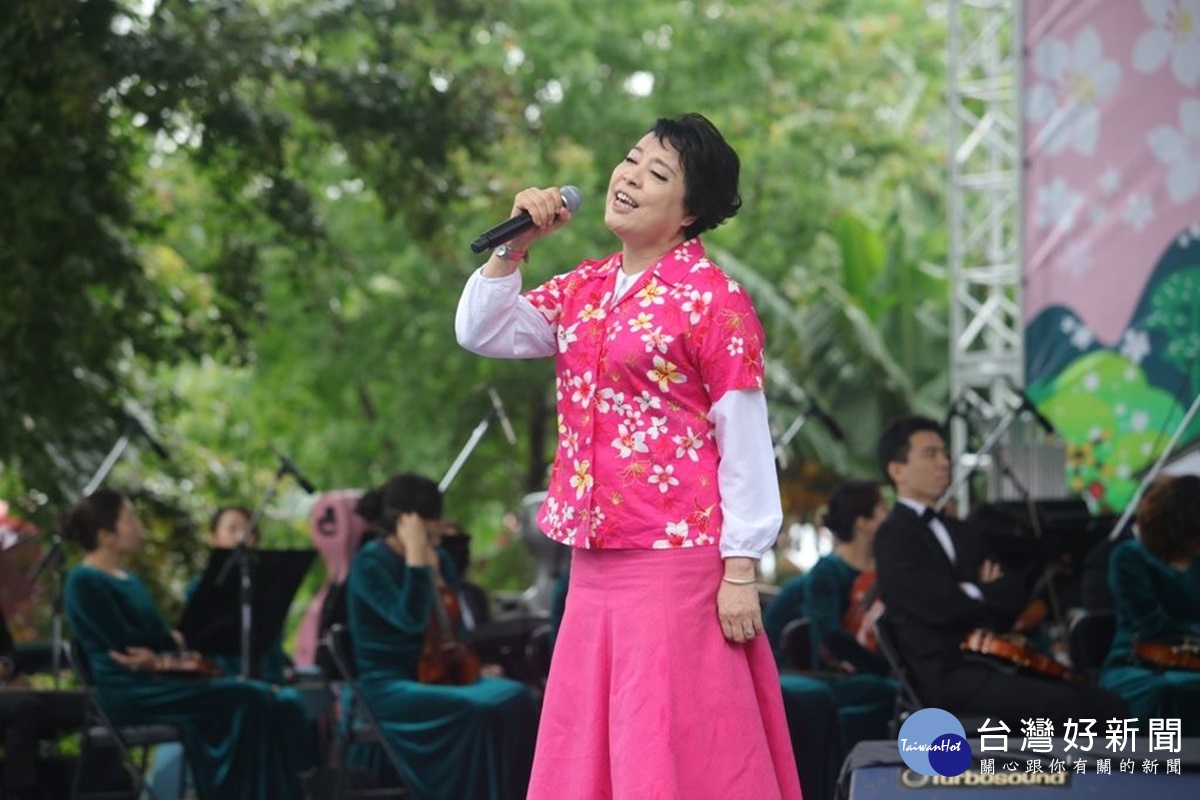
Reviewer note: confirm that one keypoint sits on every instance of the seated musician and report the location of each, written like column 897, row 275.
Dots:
column 841, row 597
column 225, row 532
column 838, row 597
column 242, row 739
column 938, row 586
column 1155, row 583
column 468, row 736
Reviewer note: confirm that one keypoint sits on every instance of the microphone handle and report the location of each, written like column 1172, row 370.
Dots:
column 511, row 228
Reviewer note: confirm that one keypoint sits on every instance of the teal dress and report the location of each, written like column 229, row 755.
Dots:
column 455, row 742
column 866, row 700
column 243, row 741
column 1155, row 602
column 165, row 775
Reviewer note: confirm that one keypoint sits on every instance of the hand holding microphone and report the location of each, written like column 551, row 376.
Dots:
column 535, row 213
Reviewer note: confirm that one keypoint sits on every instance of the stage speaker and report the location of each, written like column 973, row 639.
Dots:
column 893, row 782
column 874, row 771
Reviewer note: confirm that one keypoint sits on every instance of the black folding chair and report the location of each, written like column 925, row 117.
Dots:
column 538, row 652
column 98, row 730
column 908, row 699
column 795, row 646
column 1089, row 639
column 360, row 725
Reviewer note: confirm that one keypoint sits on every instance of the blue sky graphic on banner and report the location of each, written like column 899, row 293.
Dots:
column 1111, row 231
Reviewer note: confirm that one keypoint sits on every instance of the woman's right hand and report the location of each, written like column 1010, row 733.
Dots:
column 414, row 536
column 138, row 659
column 546, row 209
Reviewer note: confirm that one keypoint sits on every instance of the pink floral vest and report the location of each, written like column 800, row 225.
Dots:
column 636, row 465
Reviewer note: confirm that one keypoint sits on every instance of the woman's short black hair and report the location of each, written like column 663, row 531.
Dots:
column 96, row 512
column 402, row 494
column 847, row 503
column 710, row 169
column 1168, row 518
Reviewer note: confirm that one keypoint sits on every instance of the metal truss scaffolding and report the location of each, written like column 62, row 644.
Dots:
column 986, row 346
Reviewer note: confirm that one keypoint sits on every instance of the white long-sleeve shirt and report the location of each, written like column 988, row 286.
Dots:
column 493, row 319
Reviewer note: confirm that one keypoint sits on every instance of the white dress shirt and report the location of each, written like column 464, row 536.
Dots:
column 942, row 535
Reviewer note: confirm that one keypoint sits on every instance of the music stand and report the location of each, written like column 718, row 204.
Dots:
column 212, row 620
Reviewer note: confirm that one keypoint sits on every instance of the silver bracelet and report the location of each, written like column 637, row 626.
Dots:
column 736, row 582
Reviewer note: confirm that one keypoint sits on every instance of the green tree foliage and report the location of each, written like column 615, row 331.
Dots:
column 252, row 218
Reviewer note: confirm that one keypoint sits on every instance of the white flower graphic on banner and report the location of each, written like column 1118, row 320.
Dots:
column 1082, row 337
column 1179, row 150
column 1058, row 204
column 1077, row 258
column 1135, row 345
column 1110, row 180
column 1072, row 80
column 1139, row 211
column 1175, row 34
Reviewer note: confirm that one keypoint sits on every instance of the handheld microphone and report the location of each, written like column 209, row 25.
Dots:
column 829, row 422
column 287, row 467
column 513, row 227
column 509, row 433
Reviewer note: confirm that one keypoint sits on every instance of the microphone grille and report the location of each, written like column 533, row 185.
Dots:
column 572, row 198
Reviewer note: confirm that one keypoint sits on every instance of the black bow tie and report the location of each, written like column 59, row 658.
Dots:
column 930, row 514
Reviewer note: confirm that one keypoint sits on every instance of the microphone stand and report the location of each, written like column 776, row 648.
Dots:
column 985, row 449
column 52, row 561
column 243, row 556
column 786, row 437
column 1036, row 523
column 1154, row 471
column 467, row 449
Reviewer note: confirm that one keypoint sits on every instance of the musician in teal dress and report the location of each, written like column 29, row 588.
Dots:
column 470, row 741
column 243, row 741
column 1155, row 582
column 839, row 590
column 225, row 532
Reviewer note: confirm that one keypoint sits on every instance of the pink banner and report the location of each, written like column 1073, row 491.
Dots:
column 1111, row 216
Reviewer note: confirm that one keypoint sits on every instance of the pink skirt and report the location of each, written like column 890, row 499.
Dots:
column 647, row 700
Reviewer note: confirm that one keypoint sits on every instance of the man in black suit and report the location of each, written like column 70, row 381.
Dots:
column 938, row 585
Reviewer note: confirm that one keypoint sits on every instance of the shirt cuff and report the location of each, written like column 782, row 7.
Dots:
column 754, row 554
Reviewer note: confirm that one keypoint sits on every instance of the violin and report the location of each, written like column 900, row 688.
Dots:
column 864, row 609
column 1014, row 649
column 445, row 658
column 191, row 666
column 1169, row 655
